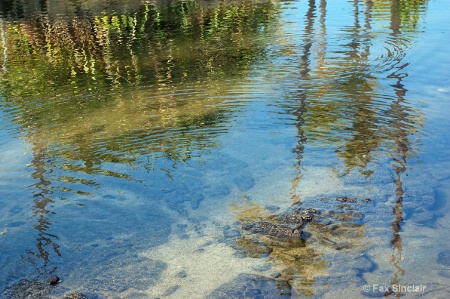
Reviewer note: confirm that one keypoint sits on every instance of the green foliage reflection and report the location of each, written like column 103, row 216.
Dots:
column 76, row 82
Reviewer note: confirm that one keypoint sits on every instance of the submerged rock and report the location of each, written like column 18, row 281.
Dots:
column 53, row 280
column 27, row 289
column 346, row 199
column 34, row 289
column 444, row 258
column 75, row 295
column 244, row 182
column 253, row 248
column 253, row 286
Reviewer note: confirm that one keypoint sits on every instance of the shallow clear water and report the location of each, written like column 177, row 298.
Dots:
column 138, row 141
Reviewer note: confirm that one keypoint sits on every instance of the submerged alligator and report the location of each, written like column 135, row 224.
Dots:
column 296, row 219
column 279, row 237
column 289, row 224
column 273, row 229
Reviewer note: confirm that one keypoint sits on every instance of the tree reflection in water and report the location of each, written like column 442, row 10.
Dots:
column 93, row 84
column 401, row 127
column 339, row 104
column 90, row 83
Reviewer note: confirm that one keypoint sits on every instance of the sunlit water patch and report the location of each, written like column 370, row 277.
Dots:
column 224, row 150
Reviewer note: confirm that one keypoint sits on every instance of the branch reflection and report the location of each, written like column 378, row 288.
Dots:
column 340, row 105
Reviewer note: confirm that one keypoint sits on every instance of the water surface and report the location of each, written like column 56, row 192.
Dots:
column 138, row 139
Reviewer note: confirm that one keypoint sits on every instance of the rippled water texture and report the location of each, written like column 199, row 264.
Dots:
column 171, row 150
